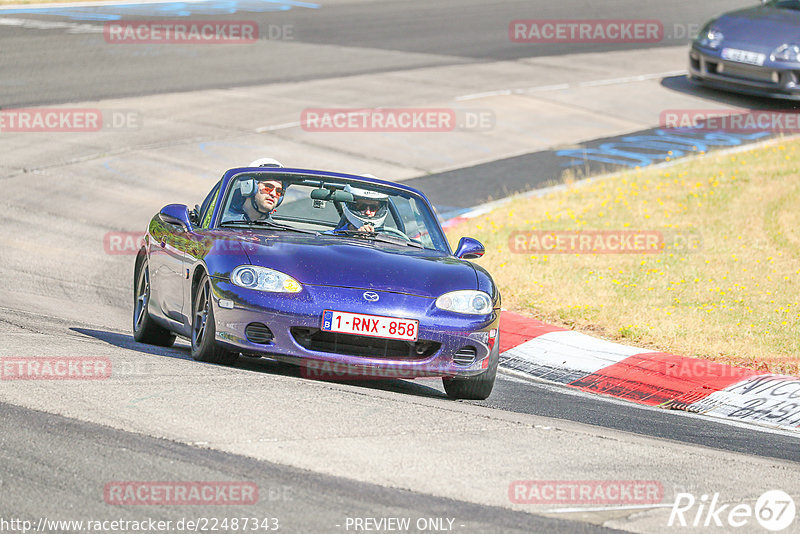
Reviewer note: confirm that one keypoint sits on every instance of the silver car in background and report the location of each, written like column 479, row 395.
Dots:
column 753, row 51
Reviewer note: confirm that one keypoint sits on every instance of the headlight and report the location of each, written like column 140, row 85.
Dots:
column 471, row 302
column 710, row 37
column 786, row 52
column 264, row 279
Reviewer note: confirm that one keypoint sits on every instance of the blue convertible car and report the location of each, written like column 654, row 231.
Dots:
column 754, row 51
column 323, row 270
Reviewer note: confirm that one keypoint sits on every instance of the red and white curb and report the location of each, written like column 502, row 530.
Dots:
column 580, row 361
column 536, row 349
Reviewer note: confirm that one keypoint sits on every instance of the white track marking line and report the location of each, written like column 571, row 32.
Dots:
column 283, row 126
column 561, row 86
column 508, row 92
column 71, row 27
column 607, row 508
column 295, row 124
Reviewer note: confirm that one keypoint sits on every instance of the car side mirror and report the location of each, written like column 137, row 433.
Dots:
column 469, row 249
column 177, row 215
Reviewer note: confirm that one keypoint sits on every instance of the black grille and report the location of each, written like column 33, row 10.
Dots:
column 465, row 355
column 746, row 73
column 365, row 346
column 258, row 333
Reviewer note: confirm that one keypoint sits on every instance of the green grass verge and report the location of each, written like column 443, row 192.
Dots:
column 725, row 286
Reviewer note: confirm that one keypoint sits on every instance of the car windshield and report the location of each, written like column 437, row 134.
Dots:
column 335, row 206
column 785, row 4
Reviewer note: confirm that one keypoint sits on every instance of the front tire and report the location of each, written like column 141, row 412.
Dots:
column 145, row 330
column 204, row 345
column 475, row 387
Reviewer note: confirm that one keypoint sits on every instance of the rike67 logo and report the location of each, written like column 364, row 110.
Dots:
column 774, row 510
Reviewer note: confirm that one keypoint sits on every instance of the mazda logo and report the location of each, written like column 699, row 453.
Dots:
column 371, row 296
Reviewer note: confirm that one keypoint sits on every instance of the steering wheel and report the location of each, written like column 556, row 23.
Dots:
column 393, row 231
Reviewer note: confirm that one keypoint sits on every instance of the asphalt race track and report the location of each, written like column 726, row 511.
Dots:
column 340, row 38
column 322, row 453
column 287, row 492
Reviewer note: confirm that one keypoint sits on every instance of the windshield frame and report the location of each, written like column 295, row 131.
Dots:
column 319, row 178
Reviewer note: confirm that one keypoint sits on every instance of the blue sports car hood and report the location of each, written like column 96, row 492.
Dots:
column 763, row 28
column 363, row 264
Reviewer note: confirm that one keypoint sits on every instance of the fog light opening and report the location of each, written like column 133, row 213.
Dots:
column 258, row 333
column 465, row 356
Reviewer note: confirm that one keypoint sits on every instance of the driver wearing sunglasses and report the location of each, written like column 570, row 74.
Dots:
column 258, row 199
column 265, row 198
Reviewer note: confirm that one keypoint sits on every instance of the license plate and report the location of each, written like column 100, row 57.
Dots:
column 743, row 56
column 362, row 324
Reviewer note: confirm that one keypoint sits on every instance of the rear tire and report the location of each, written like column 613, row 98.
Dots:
column 145, row 330
column 477, row 387
column 204, row 345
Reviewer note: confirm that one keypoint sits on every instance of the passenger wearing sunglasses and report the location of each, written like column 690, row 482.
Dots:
column 366, row 212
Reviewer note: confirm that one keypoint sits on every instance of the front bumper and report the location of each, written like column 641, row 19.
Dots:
column 293, row 319
column 775, row 80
